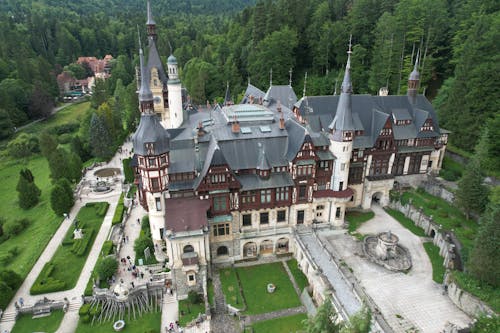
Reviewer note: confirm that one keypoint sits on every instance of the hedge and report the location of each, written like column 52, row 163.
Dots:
column 46, row 284
column 117, row 218
column 102, row 209
column 80, row 245
column 107, row 248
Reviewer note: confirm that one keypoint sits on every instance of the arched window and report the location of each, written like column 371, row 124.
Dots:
column 188, row 248
column 222, row 251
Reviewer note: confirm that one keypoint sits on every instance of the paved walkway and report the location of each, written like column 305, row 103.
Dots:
column 408, row 302
column 221, row 320
column 70, row 321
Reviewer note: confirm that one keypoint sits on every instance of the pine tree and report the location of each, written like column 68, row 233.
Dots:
column 484, row 262
column 325, row 320
column 29, row 193
column 472, row 194
column 100, row 139
column 61, row 197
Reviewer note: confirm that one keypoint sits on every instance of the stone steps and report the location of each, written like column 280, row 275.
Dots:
column 9, row 316
column 74, row 307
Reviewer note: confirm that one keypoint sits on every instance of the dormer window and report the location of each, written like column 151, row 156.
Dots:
column 152, row 162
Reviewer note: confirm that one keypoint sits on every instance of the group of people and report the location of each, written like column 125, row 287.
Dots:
column 173, row 327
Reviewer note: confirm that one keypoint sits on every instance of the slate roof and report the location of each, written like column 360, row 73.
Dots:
column 154, row 61
column 255, row 182
column 252, row 91
column 282, row 93
column 150, row 131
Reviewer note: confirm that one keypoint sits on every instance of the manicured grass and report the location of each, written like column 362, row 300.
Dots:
column 481, row 290
column 44, row 222
column 406, row 222
column 70, row 114
column 290, row 324
column 230, row 287
column 149, row 322
column 89, row 219
column 436, row 261
column 51, row 323
column 299, row 277
column 445, row 214
column 254, row 281
column 355, row 219
column 188, row 311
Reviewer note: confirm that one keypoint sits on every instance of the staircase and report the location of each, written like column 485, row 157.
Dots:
column 8, row 316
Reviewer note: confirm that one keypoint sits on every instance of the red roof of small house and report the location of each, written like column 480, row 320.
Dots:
column 186, row 214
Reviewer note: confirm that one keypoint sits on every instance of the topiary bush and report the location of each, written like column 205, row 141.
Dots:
column 45, row 283
column 120, row 208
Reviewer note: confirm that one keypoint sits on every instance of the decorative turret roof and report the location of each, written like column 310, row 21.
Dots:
column 415, row 75
column 154, row 61
column 343, row 118
column 172, row 60
column 150, row 21
column 262, row 163
column 145, row 93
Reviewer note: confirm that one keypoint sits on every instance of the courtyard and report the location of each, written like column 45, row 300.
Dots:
column 409, row 302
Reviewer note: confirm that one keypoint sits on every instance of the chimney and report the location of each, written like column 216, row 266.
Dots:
column 282, row 122
column 235, row 126
column 260, row 100
column 384, row 91
column 201, row 132
column 251, row 99
column 279, row 106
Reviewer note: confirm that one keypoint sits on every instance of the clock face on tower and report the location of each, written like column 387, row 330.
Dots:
column 157, row 100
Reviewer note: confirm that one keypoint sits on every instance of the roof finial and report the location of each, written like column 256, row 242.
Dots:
column 271, row 78
column 150, row 16
column 139, row 36
column 305, row 83
column 415, row 68
column 347, row 84
column 335, row 89
column 290, row 79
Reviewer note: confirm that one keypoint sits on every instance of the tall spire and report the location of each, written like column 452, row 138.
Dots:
column 342, row 125
column 145, row 94
column 413, row 81
column 305, row 83
column 151, row 24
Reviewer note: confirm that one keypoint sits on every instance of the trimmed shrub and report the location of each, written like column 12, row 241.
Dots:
column 107, row 248
column 9, row 282
column 84, row 309
column 45, row 283
column 102, row 208
column 13, row 228
column 81, row 245
column 128, row 171
column 120, row 208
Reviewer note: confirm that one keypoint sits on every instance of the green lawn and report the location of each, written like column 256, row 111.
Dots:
column 436, row 261
column 254, row 281
column 356, row 219
column 406, row 222
column 89, row 219
column 70, row 114
column 300, row 278
column 48, row 324
column 230, row 287
column 291, row 324
column 445, row 214
column 44, row 221
column 149, row 322
column 188, row 311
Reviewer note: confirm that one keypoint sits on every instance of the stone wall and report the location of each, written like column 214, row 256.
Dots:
column 442, row 239
column 438, row 190
column 465, row 301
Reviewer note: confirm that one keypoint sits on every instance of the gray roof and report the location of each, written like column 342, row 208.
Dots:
column 401, row 114
column 154, row 61
column 343, row 117
column 262, row 163
column 145, row 93
column 252, row 91
column 281, row 93
column 254, row 182
column 150, row 131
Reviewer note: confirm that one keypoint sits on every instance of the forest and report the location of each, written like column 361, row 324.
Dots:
column 221, row 41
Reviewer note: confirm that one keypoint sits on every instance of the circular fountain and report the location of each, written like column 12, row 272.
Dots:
column 383, row 249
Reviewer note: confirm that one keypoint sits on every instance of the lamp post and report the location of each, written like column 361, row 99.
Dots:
column 65, row 215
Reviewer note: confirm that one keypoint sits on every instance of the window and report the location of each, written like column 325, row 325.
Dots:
column 302, row 191
column 155, row 184
column 221, row 229
column 360, row 153
column 342, row 166
column 152, row 162
column 282, row 194
column 265, row 196
column 248, row 197
column 247, row 220
column 337, row 212
column 220, row 203
column 163, row 160
column 320, row 207
column 341, row 186
column 325, row 165
column 300, row 217
column 264, row 218
column 217, row 178
column 188, row 249
column 158, row 204
column 222, row 251
column 281, row 215
column 304, row 170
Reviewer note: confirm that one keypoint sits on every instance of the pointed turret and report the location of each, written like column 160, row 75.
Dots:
column 413, row 82
column 145, row 94
column 151, row 24
column 227, row 97
column 174, row 94
column 263, row 165
column 342, row 125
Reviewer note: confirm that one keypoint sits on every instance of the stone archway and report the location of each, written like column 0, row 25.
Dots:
column 222, row 251
column 377, row 198
column 250, row 250
column 282, row 245
column 266, row 247
column 433, row 233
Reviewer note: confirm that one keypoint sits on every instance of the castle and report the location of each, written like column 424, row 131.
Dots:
column 235, row 181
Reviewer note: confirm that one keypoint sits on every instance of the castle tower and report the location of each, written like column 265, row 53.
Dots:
column 151, row 146
column 413, row 82
column 342, row 132
column 174, row 94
